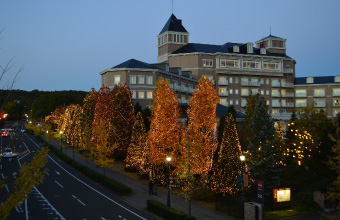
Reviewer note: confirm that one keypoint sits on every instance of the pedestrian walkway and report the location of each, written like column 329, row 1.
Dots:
column 140, row 189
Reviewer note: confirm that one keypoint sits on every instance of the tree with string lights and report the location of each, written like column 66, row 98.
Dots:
column 164, row 135
column 202, row 127
column 136, row 154
column 228, row 165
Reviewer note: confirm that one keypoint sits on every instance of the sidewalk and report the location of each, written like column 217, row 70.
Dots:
column 140, row 190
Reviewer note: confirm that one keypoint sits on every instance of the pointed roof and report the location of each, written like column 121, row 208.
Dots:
column 173, row 24
column 272, row 36
column 134, row 64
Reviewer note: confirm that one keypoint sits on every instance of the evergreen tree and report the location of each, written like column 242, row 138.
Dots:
column 263, row 148
column 136, row 154
column 228, row 166
column 250, row 110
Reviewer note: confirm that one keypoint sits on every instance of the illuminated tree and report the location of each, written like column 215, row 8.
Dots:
column 86, row 118
column 228, row 166
column 202, row 126
column 71, row 126
column 123, row 118
column 57, row 117
column 136, row 154
column 263, row 147
column 30, row 175
column 164, row 135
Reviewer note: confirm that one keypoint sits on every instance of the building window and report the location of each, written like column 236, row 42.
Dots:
column 319, row 92
column 236, row 49
column 271, row 66
column 248, row 64
column 236, row 91
column 236, row 102
column 223, row 91
column 243, row 102
column 320, row 102
column 223, row 102
column 275, row 93
column 336, row 112
column 275, row 103
column 149, row 94
column 262, row 92
column 117, row 80
column 300, row 103
column 176, row 87
column 336, row 102
column 336, row 78
column 207, row 63
column 275, row 82
column 134, row 94
column 132, row 79
column 230, row 63
column 300, row 93
column 211, row 78
column 230, row 91
column 231, row 102
column 309, row 80
column 249, row 48
column 230, row 80
column 183, row 87
column 262, row 81
column 254, row 91
column 267, row 81
column 190, row 88
column 244, row 92
column 336, row 92
column 141, row 79
column 236, row 80
column 141, row 94
column 263, row 50
column 149, row 80
column 268, row 102
column 222, row 80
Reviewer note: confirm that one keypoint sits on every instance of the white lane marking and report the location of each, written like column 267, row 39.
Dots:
column 16, row 208
column 74, row 196
column 81, row 202
column 59, row 184
column 47, row 174
column 123, row 207
column 2, row 175
column 7, row 187
column 56, row 212
column 26, row 209
column 56, row 172
column 27, row 153
column 14, row 175
column 103, row 218
column 119, row 216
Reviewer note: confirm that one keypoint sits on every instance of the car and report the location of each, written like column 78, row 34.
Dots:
column 4, row 134
column 7, row 153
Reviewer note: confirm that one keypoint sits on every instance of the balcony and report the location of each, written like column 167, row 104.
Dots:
column 288, row 105
column 246, row 83
column 276, row 105
column 276, row 95
column 275, row 84
column 184, row 89
column 222, row 82
column 288, row 70
column 287, row 94
column 223, row 93
column 319, row 95
column 190, row 90
column 320, row 104
column 177, row 88
column 286, row 84
column 298, row 105
column 301, row 95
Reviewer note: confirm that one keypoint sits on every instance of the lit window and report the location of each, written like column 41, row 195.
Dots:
column 117, row 80
column 236, row 49
column 275, row 103
column 141, row 95
column 271, row 66
column 230, row 80
column 300, row 103
column 231, row 102
column 336, row 112
column 223, row 102
column 223, row 91
column 132, row 79
column 267, row 92
column 262, row 92
column 336, row 102
column 230, row 63
column 336, row 78
column 236, row 102
column 275, row 93
column 275, row 82
column 248, row 64
column 309, row 80
column 222, row 80
column 254, row 91
column 207, row 63
column 149, row 80
column 320, row 102
column 244, row 92
column 336, row 92
column 149, row 95
column 230, row 91
column 236, row 91
column 141, row 79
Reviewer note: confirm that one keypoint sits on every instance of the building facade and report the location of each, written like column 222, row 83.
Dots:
column 236, row 70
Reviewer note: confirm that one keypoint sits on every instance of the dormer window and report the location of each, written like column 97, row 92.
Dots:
column 310, row 80
column 336, row 78
column 249, row 48
column 263, row 51
column 236, row 49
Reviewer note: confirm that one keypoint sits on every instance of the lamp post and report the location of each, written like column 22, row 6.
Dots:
column 242, row 158
column 61, row 149
column 168, row 199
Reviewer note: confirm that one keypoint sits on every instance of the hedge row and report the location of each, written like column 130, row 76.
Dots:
column 167, row 213
column 115, row 186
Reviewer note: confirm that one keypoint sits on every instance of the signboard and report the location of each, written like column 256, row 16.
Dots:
column 281, row 198
column 260, row 192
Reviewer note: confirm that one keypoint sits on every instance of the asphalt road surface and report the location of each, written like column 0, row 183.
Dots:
column 64, row 194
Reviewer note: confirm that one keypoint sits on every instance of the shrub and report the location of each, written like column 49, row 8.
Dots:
column 117, row 187
column 167, row 213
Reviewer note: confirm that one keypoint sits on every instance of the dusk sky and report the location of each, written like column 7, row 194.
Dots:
column 63, row 45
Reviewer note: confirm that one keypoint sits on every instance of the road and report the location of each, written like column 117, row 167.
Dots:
column 65, row 194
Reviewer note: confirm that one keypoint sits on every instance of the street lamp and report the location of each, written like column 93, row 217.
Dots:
column 61, row 149
column 242, row 158
column 168, row 200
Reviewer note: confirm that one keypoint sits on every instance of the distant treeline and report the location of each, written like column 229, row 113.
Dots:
column 42, row 103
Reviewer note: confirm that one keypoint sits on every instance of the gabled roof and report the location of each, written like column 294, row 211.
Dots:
column 173, row 24
column 316, row 80
column 134, row 64
column 225, row 48
column 220, row 111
